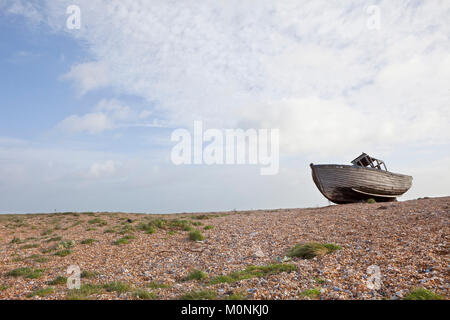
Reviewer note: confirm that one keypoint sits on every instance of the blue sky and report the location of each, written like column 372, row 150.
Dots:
column 86, row 115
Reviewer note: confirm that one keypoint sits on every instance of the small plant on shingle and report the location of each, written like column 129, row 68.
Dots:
column 196, row 235
column 310, row 293
column 123, row 240
column 41, row 292
column 311, row 250
column 143, row 294
column 63, row 253
column 57, row 281
column 371, row 200
column 208, row 227
column 88, row 241
column 117, row 286
column 199, row 295
column 26, row 273
column 157, row 285
column 422, row 294
column 88, row 274
column 196, row 275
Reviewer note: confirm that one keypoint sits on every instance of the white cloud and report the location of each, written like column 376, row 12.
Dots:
column 108, row 114
column 88, row 76
column 102, row 169
column 230, row 64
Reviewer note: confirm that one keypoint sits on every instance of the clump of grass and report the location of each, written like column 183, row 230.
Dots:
column 196, row 235
column 196, row 275
column 41, row 292
column 84, row 292
column 310, row 293
column 197, row 223
column 88, row 241
column 123, row 240
column 63, row 253
column 371, row 200
column 66, row 244
column 201, row 217
column 237, row 296
column 54, row 239
column 29, row 246
column 148, row 228
column 126, row 229
column 253, row 272
column 143, row 294
column 422, row 294
column 26, row 273
column 57, row 281
column 157, row 285
column 199, row 295
column 88, row 274
column 16, row 240
column 38, row 258
column 117, row 286
column 4, row 287
column 319, row 280
column 208, row 227
column 47, row 232
column 171, row 233
column 98, row 221
column 311, row 250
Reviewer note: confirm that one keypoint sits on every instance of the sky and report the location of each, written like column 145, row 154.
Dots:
column 86, row 114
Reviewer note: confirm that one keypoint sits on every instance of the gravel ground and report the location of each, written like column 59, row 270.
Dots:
column 408, row 241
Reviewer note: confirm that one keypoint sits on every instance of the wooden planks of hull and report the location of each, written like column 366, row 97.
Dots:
column 346, row 184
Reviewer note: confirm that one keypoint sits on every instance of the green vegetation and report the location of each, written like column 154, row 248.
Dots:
column 54, row 239
column 196, row 275
column 319, row 280
column 253, row 272
column 310, row 293
column 47, row 232
column 208, row 227
column 123, row 240
column 63, row 253
column 88, row 274
column 16, row 240
column 143, row 294
column 98, row 221
column 157, row 285
column 38, row 258
column 26, row 273
column 312, row 249
column 88, row 241
column 201, row 217
column 41, row 292
column 117, row 286
column 236, row 296
column 196, row 235
column 4, row 287
column 199, row 295
column 29, row 246
column 422, row 294
column 58, row 280
column 371, row 200
column 84, row 292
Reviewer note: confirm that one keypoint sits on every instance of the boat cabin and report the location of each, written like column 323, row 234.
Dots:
column 364, row 160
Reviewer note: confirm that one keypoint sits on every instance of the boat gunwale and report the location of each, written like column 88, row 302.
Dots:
column 357, row 167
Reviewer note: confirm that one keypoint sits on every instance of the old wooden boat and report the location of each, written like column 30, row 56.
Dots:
column 366, row 178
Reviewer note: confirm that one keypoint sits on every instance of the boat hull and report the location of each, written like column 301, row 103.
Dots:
column 347, row 184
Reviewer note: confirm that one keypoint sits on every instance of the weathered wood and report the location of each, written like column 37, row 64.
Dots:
column 347, row 184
